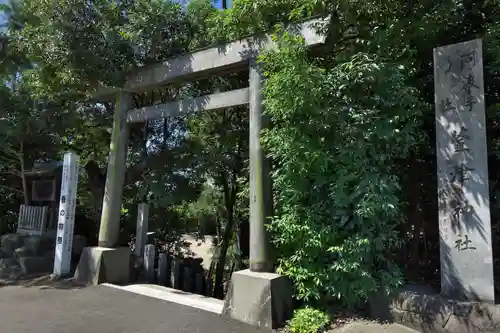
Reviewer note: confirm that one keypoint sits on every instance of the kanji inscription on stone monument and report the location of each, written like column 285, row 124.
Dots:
column 462, row 166
column 66, row 222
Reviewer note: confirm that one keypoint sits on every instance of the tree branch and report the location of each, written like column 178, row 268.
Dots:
column 13, row 173
column 135, row 173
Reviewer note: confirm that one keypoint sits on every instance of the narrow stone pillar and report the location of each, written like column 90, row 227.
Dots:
column 176, row 274
column 187, row 283
column 200, row 282
column 462, row 163
column 141, row 229
column 209, row 287
column 260, row 185
column 115, row 176
column 149, row 262
column 162, row 269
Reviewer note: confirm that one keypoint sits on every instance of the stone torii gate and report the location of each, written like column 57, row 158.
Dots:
column 256, row 296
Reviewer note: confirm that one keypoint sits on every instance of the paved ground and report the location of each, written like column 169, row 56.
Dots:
column 370, row 327
column 104, row 310
column 40, row 305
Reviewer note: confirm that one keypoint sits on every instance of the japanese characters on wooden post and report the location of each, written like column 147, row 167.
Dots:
column 462, row 166
column 66, row 220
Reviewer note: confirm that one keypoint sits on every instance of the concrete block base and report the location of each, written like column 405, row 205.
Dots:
column 100, row 264
column 260, row 299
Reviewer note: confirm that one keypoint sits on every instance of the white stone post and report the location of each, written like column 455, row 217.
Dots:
column 66, row 219
column 142, row 228
column 462, row 167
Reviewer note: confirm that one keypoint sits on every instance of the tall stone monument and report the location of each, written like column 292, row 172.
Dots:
column 462, row 172
column 66, row 220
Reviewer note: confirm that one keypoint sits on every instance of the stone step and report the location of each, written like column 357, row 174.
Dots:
column 10, row 242
column 9, row 269
column 7, row 262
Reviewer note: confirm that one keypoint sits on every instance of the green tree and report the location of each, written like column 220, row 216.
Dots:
column 222, row 138
column 336, row 133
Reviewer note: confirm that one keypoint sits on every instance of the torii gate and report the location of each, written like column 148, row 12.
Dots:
column 249, row 297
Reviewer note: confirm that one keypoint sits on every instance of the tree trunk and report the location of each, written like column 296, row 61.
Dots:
column 221, row 263
column 244, row 238
column 229, row 200
column 23, row 175
column 97, row 182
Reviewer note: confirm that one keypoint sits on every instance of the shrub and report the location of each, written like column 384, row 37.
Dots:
column 308, row 320
column 337, row 132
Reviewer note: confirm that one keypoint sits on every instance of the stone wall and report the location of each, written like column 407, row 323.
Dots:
column 429, row 312
column 22, row 255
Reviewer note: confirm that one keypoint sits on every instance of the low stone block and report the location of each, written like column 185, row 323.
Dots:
column 199, row 283
column 433, row 313
column 379, row 305
column 10, row 242
column 176, row 274
column 486, row 317
column 458, row 324
column 149, row 262
column 162, row 269
column 260, row 299
column 31, row 243
column 24, row 252
column 187, row 283
column 38, row 244
column 7, row 262
column 99, row 265
column 50, row 254
column 3, row 254
column 209, row 287
column 35, row 265
column 79, row 243
column 13, row 238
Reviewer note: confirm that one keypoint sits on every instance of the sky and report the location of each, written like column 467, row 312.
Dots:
column 2, row 16
column 218, row 3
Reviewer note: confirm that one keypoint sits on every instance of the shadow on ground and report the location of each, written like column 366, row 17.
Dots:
column 45, row 281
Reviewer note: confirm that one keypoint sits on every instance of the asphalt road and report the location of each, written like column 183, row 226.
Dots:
column 103, row 310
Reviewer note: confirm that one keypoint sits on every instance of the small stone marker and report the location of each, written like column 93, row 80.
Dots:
column 175, row 275
column 462, row 163
column 150, row 237
column 209, row 291
column 142, row 229
column 168, row 272
column 187, row 284
column 199, row 283
column 162, row 269
column 149, row 263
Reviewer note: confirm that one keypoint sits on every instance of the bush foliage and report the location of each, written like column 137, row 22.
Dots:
column 335, row 133
column 308, row 320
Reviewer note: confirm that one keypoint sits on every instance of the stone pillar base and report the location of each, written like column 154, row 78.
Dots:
column 259, row 299
column 100, row 264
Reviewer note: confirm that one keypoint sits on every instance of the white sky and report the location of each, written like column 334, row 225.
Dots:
column 2, row 16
